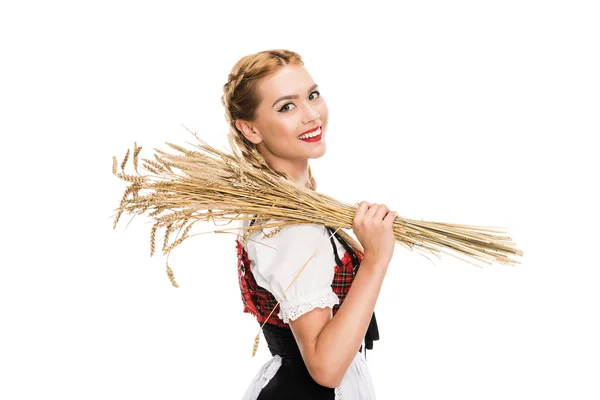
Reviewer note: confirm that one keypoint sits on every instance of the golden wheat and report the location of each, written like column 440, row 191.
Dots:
column 136, row 152
column 209, row 185
column 153, row 238
column 171, row 276
column 125, row 161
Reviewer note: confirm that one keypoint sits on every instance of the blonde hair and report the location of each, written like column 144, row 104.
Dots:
column 240, row 99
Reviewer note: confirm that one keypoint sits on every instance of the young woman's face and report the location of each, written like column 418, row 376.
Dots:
column 290, row 106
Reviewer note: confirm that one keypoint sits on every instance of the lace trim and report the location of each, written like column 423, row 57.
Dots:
column 339, row 395
column 287, row 313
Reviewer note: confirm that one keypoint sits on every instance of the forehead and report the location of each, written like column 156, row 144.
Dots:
column 287, row 80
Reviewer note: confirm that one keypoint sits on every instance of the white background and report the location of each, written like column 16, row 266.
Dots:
column 472, row 112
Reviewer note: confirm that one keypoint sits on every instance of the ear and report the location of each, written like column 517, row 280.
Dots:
column 249, row 131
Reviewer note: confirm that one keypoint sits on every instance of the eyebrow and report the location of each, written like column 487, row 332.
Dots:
column 293, row 96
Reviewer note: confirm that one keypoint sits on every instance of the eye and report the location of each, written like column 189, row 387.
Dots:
column 284, row 109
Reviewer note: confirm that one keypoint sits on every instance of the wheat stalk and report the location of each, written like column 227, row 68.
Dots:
column 209, row 185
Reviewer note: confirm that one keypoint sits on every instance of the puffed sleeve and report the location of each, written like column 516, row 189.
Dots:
column 275, row 266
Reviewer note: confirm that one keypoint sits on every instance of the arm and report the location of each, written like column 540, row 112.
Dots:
column 328, row 345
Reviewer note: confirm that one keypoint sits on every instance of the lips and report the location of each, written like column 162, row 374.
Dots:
column 314, row 135
column 313, row 139
column 310, row 131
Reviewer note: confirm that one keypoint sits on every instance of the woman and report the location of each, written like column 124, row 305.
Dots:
column 278, row 120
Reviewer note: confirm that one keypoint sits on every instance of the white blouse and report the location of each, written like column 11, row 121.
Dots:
column 275, row 267
column 274, row 262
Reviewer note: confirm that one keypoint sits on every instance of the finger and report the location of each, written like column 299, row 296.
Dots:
column 372, row 210
column 362, row 208
column 381, row 212
column 390, row 217
column 359, row 214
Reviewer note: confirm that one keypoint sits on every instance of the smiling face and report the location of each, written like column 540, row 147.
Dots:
column 290, row 106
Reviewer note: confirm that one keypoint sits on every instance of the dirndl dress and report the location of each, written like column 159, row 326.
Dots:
column 324, row 282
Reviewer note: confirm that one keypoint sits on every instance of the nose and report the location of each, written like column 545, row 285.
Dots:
column 312, row 114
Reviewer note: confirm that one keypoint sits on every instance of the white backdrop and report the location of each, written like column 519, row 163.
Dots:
column 470, row 112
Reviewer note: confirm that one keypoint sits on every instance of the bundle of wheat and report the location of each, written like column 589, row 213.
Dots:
column 207, row 184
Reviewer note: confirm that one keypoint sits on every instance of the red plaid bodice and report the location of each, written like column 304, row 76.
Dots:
column 260, row 302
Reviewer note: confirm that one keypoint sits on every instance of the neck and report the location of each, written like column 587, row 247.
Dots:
column 296, row 170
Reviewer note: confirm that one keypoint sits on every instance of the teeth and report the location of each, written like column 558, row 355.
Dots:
column 312, row 134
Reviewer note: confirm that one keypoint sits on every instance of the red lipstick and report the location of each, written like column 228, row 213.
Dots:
column 314, row 138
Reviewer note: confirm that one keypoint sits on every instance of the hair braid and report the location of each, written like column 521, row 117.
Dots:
column 240, row 100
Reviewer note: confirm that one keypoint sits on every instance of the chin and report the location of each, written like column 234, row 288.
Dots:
column 318, row 154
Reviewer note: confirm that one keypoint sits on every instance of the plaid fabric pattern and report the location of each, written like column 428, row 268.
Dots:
column 259, row 301
column 343, row 277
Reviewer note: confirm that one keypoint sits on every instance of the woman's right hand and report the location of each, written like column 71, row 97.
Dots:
column 373, row 228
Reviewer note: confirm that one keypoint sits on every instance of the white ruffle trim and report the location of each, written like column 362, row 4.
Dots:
column 339, row 395
column 293, row 311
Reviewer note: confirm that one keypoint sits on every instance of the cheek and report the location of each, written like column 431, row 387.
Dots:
column 323, row 111
column 288, row 126
column 281, row 131
column 324, row 117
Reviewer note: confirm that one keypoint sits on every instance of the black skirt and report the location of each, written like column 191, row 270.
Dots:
column 292, row 380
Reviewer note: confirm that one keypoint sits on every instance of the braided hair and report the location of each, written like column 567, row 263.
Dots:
column 240, row 99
